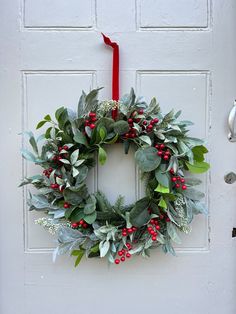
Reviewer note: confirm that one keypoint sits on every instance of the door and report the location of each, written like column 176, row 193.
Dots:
column 183, row 52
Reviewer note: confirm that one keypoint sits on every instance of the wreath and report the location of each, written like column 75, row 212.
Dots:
column 86, row 223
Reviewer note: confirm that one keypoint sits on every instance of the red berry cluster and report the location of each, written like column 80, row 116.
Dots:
column 79, row 224
column 132, row 132
column 163, row 152
column 179, row 182
column 126, row 231
column 57, row 158
column 92, row 119
column 153, row 224
column 47, row 172
column 148, row 125
column 123, row 254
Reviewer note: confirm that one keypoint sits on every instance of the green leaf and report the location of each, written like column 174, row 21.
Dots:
column 102, row 155
column 90, row 218
column 90, row 206
column 147, row 159
column 139, row 214
column 102, row 132
column 162, row 203
column 79, row 254
column 81, row 104
column 146, row 139
column 80, row 138
column 162, row 189
column 74, row 156
column 28, row 155
column 76, row 215
column 83, row 172
column 198, row 167
column 73, row 197
column 59, row 112
column 113, row 140
column 40, row 124
column 104, row 248
column 75, row 172
column 121, row 127
column 198, row 152
column 193, row 194
column 162, row 177
column 172, row 232
column 47, row 118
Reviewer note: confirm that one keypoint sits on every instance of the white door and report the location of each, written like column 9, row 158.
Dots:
column 181, row 51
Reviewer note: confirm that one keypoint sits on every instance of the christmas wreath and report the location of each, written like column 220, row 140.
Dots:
column 87, row 224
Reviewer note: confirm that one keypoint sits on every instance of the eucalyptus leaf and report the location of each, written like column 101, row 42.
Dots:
column 147, row 159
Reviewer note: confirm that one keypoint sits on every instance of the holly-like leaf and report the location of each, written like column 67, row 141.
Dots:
column 147, row 159
column 146, row 139
column 74, row 156
column 104, row 248
column 198, row 167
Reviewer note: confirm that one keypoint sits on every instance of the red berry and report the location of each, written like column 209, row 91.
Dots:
column 128, row 246
column 182, row 180
column 150, row 127
column 128, row 255
column 120, row 253
column 140, row 111
column 93, row 119
column 177, row 185
column 144, row 122
column 162, row 146
column 174, row 179
column 159, row 153
column 134, row 228
column 92, row 126
column 126, row 134
column 154, row 238
column 85, row 225
column 60, row 148
column 66, row 205
column 149, row 229
column 59, row 158
column 184, row 187
column 156, row 120
column 161, row 216
column 152, row 232
column 74, row 225
column 87, row 122
column 117, row 261
column 54, row 158
column 130, row 230
column 123, row 251
column 50, row 169
column 124, row 234
column 65, row 147
column 122, row 259
column 166, row 157
column 152, row 221
column 167, row 219
column 92, row 114
column 54, row 186
column 178, row 178
column 81, row 221
column 158, row 227
column 157, row 146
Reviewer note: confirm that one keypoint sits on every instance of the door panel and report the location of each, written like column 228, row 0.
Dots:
column 182, row 52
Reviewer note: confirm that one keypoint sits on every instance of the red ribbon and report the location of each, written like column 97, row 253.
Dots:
column 115, row 72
